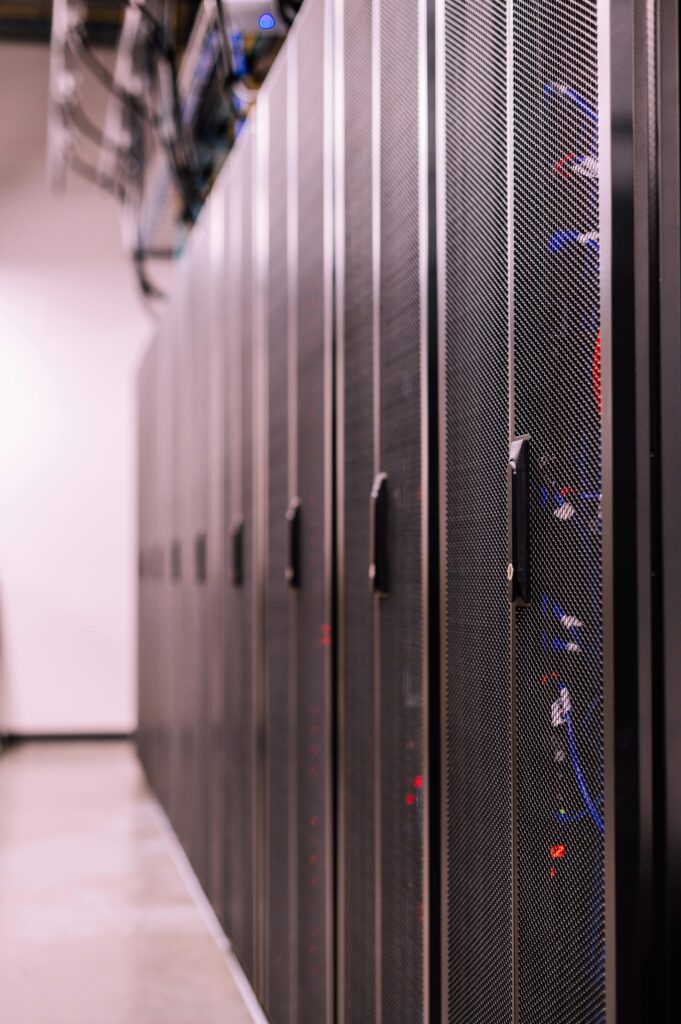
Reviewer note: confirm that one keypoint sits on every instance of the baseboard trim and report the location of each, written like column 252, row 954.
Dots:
column 11, row 739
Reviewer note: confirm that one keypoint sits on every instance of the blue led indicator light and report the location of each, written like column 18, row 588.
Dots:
column 266, row 21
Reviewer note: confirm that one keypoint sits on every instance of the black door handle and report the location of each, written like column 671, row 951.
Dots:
column 175, row 561
column 236, row 537
column 378, row 514
column 292, row 571
column 518, row 570
column 201, row 557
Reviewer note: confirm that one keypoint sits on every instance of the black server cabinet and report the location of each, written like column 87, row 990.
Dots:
column 295, row 337
column 280, row 600
column 165, row 486
column 381, row 317
column 174, row 555
column 142, row 563
column 309, row 515
column 199, row 300
column 186, row 653
column 217, row 548
column 472, row 165
column 538, row 521
column 240, row 848
column 149, row 566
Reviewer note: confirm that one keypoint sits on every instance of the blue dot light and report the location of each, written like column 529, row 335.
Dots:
column 266, row 21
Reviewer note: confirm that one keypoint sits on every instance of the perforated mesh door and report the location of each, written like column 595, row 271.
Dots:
column 200, row 306
column 357, row 804
column 164, row 490
column 186, row 659
column 239, row 602
column 312, row 624
column 143, row 588
column 279, row 691
column 174, row 554
column 217, row 541
column 477, row 749
column 560, row 779
column 400, row 616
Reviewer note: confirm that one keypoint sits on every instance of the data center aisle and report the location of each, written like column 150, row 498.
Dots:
column 97, row 921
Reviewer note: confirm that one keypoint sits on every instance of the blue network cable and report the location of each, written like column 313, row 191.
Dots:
column 558, row 89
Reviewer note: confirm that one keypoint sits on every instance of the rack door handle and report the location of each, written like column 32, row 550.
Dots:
column 292, row 571
column 378, row 522
column 201, row 557
column 175, row 561
column 518, row 570
column 236, row 543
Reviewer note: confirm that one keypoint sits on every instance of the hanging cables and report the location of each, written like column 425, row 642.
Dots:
column 79, row 119
column 288, row 10
column 89, row 173
column 76, row 40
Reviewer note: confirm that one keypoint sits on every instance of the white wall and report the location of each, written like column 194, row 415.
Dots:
column 72, row 331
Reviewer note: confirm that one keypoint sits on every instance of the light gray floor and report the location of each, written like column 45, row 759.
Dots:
column 97, row 925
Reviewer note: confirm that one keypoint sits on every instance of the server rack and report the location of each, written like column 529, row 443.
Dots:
column 240, row 651
column 310, row 512
column 187, row 650
column 280, row 605
column 666, row 39
column 172, row 338
column 142, row 562
column 557, row 267
column 163, row 487
column 546, row 133
column 217, row 548
column 200, row 306
column 383, row 489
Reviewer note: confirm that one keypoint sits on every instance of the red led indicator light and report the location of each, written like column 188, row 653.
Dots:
column 558, row 851
column 418, row 782
column 409, row 799
column 553, row 872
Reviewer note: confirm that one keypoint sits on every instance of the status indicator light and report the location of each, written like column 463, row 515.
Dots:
column 266, row 22
column 558, row 851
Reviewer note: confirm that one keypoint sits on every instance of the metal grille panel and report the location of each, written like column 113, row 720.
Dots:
column 187, row 654
column 239, row 600
column 560, row 775
column 402, row 686
column 313, row 635
column 357, row 791
column 200, row 304
column 479, row 933
column 279, row 691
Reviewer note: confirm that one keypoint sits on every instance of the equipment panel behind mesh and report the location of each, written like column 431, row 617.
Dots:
column 313, row 626
column 239, row 600
column 478, row 866
column 559, row 679
column 402, row 687
column 278, row 689
column 357, row 913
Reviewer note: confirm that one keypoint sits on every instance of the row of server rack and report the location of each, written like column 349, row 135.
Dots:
column 410, row 552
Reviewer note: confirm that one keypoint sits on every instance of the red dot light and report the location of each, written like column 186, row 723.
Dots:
column 558, row 851
column 418, row 782
column 409, row 799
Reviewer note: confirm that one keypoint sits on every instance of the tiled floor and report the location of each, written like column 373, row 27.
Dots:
column 97, row 925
